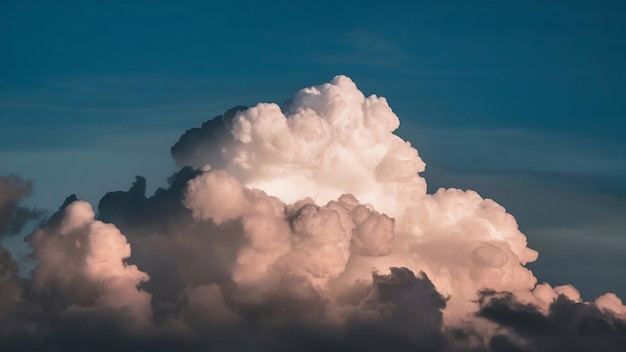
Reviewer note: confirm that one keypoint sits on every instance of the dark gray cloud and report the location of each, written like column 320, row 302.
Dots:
column 212, row 135
column 568, row 326
column 10, row 285
column 14, row 216
column 400, row 312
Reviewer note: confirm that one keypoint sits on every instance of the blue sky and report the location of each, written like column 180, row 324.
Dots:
column 522, row 101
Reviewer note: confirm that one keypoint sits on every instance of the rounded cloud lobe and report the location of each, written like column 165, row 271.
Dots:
column 83, row 259
column 301, row 227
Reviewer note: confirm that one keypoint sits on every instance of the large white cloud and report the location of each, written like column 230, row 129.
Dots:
column 302, row 225
column 331, row 140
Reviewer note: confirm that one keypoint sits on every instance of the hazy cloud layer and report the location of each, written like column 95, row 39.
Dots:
column 13, row 216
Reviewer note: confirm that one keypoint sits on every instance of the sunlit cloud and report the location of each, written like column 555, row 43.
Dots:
column 305, row 226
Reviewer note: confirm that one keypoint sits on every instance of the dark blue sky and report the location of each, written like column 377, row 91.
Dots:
column 522, row 101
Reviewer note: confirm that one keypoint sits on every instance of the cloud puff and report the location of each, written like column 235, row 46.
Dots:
column 83, row 259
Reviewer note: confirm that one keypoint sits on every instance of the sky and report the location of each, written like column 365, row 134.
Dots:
column 523, row 102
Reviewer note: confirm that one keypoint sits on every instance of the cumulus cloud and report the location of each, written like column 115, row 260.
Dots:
column 82, row 259
column 301, row 227
column 328, row 140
